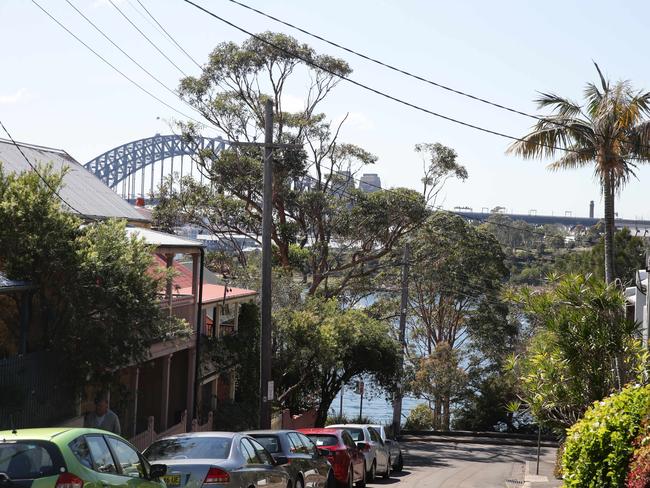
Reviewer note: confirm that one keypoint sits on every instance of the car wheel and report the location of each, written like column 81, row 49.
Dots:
column 386, row 475
column 362, row 483
column 400, row 464
column 373, row 471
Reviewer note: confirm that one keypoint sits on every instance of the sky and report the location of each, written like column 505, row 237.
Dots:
column 54, row 92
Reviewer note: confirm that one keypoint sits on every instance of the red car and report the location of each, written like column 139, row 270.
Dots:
column 344, row 455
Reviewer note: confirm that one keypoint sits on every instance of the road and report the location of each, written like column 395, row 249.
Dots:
column 463, row 465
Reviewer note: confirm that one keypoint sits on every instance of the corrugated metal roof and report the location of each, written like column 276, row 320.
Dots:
column 156, row 238
column 82, row 190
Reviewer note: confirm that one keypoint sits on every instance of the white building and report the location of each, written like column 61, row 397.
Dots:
column 637, row 303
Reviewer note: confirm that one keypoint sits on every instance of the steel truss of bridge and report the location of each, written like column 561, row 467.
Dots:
column 567, row 221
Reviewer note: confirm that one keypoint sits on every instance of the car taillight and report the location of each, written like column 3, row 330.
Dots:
column 69, row 480
column 216, row 475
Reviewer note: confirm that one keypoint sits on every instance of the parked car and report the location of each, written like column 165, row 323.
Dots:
column 307, row 465
column 375, row 451
column 65, row 457
column 393, row 446
column 217, row 458
column 346, row 458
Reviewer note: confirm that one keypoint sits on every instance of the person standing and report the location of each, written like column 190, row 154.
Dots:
column 103, row 417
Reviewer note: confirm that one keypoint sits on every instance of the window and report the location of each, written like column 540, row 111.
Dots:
column 347, row 439
column 297, row 446
column 190, row 448
column 262, row 454
column 356, row 434
column 311, row 447
column 248, row 451
column 24, row 460
column 270, row 442
column 128, row 458
column 103, row 460
column 374, row 436
column 324, row 439
column 80, row 449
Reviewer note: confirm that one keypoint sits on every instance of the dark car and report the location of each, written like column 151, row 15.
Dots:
column 200, row 459
column 307, row 465
column 345, row 457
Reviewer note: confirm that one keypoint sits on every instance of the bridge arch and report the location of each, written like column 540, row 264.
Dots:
column 126, row 164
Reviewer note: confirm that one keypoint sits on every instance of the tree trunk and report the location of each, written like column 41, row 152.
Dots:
column 437, row 414
column 446, row 417
column 608, row 191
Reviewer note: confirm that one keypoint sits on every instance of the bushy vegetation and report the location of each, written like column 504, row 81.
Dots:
column 599, row 446
column 420, row 418
column 639, row 472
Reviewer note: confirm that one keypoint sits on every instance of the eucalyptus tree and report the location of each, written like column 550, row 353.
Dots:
column 608, row 131
column 319, row 216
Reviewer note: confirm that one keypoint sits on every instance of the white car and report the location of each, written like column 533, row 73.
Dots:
column 375, row 451
column 393, row 446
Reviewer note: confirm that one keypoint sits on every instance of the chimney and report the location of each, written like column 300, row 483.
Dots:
column 591, row 209
column 139, row 202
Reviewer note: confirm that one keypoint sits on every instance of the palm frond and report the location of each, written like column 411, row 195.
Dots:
column 574, row 159
column 560, row 105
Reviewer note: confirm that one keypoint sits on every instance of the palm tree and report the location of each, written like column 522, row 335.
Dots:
column 609, row 130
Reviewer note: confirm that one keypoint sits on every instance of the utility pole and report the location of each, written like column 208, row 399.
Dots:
column 397, row 402
column 266, row 389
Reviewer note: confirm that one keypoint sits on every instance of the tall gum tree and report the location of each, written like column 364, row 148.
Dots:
column 609, row 131
column 318, row 214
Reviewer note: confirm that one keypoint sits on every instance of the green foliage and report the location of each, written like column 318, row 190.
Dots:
column 320, row 347
column 599, row 446
column 96, row 303
column 583, row 348
column 420, row 418
column 629, row 253
column 240, row 353
column 454, row 300
column 311, row 212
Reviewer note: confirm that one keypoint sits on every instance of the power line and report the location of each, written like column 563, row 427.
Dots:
column 114, row 67
column 151, row 75
column 41, row 177
column 170, row 36
column 369, row 88
column 387, row 65
column 147, row 38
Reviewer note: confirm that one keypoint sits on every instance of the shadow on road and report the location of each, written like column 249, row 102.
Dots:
column 445, row 454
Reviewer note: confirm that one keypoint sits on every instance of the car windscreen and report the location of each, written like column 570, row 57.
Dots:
column 30, row 459
column 323, row 439
column 270, row 442
column 356, row 434
column 189, row 448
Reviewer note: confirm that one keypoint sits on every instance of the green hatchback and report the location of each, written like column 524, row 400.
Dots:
column 63, row 457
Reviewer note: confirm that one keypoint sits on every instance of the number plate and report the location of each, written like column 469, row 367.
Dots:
column 172, row 479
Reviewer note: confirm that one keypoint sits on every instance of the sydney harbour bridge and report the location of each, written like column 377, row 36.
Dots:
column 139, row 168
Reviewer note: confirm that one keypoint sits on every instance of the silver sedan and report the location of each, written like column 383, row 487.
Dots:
column 215, row 459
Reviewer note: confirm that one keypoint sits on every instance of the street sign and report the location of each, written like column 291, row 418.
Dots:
column 270, row 393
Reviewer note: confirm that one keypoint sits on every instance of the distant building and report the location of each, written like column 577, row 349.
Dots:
column 370, row 182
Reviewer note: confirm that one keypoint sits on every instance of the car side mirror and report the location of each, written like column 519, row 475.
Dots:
column 281, row 460
column 323, row 452
column 157, row 470
column 362, row 445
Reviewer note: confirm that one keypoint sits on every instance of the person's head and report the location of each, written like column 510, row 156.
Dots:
column 101, row 403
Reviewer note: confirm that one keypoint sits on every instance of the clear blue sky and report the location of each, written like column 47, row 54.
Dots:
column 54, row 92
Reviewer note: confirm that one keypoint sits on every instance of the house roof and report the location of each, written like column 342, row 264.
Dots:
column 162, row 239
column 81, row 189
column 215, row 293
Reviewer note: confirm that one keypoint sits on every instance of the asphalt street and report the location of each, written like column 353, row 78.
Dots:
column 467, row 465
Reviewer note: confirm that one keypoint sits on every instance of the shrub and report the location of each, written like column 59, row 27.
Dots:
column 599, row 446
column 420, row 418
column 639, row 474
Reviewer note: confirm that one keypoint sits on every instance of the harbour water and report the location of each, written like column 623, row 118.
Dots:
column 375, row 406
